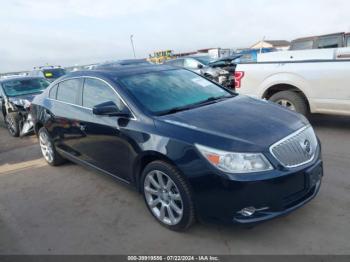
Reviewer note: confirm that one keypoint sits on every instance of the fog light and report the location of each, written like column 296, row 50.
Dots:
column 249, row 211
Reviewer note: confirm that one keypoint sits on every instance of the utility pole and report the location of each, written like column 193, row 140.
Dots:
column 132, row 45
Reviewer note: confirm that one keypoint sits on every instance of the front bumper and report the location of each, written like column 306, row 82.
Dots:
column 222, row 200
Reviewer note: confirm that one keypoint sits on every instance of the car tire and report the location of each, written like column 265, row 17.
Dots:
column 169, row 201
column 48, row 149
column 291, row 100
column 12, row 123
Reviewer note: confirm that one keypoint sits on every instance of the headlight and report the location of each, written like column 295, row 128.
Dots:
column 231, row 162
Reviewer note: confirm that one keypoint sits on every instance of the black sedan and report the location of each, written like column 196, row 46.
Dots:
column 194, row 149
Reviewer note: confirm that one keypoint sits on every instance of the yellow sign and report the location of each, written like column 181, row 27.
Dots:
column 48, row 74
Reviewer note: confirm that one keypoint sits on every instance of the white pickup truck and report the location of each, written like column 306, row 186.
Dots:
column 307, row 81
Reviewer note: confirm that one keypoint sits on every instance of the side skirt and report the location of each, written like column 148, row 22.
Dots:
column 92, row 167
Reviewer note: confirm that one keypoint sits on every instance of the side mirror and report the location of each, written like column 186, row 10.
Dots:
column 200, row 66
column 109, row 109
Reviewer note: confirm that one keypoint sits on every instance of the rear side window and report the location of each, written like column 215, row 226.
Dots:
column 348, row 41
column 301, row 45
column 68, row 91
column 330, row 42
column 53, row 92
column 96, row 92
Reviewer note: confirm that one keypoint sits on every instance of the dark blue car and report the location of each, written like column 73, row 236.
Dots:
column 194, row 149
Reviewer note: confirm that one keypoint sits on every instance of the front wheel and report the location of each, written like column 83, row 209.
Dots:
column 12, row 123
column 168, row 196
column 291, row 100
column 48, row 148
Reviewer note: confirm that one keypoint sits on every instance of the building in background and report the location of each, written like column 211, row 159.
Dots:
column 279, row 45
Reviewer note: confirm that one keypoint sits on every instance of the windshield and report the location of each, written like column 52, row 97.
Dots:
column 205, row 60
column 160, row 92
column 54, row 73
column 24, row 87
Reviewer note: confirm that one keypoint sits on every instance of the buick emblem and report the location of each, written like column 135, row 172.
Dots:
column 306, row 146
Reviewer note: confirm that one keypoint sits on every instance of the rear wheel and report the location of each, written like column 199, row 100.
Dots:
column 291, row 100
column 12, row 123
column 168, row 196
column 48, row 148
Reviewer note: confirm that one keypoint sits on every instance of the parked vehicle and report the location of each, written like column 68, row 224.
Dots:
column 16, row 95
column 160, row 57
column 50, row 73
column 308, row 81
column 191, row 147
column 336, row 40
column 220, row 71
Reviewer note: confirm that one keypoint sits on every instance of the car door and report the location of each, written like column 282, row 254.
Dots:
column 63, row 110
column 105, row 145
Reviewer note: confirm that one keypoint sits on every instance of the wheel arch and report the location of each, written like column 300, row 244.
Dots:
column 37, row 127
column 269, row 92
column 143, row 160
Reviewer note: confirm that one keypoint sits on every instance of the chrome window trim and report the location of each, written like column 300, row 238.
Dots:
column 288, row 137
column 91, row 77
column 67, row 103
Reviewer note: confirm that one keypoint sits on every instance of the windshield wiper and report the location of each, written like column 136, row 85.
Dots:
column 213, row 99
column 210, row 100
column 174, row 110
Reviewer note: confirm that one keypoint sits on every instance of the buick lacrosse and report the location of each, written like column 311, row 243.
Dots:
column 193, row 149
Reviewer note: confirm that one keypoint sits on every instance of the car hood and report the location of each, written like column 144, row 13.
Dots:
column 22, row 100
column 249, row 122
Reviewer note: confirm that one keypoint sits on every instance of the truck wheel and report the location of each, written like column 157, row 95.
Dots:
column 168, row 196
column 291, row 100
column 12, row 123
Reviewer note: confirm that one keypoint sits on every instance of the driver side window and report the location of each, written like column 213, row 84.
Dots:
column 96, row 92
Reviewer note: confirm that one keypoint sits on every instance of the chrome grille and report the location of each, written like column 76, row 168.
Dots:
column 296, row 149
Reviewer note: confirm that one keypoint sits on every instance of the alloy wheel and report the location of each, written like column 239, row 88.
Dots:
column 286, row 103
column 46, row 147
column 163, row 197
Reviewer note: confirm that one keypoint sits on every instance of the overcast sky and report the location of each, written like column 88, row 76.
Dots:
column 69, row 32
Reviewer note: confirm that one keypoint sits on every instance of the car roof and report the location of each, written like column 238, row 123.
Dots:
column 121, row 71
column 4, row 80
column 125, row 62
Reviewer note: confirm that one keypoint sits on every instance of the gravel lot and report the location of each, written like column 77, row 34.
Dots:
column 71, row 210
